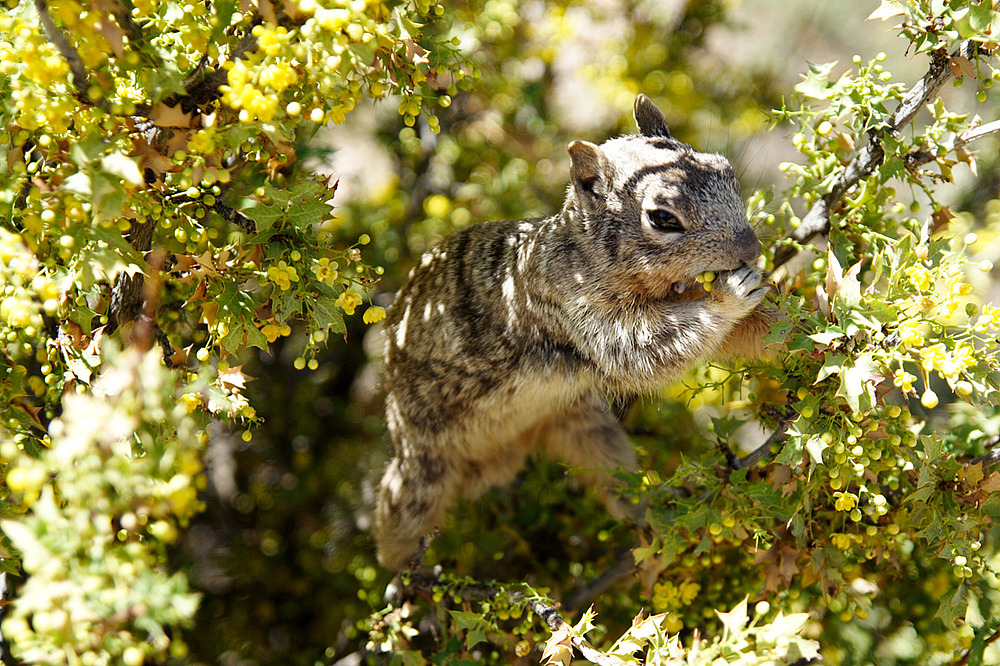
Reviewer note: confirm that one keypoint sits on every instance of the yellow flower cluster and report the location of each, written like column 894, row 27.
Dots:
column 283, row 275
column 253, row 85
column 25, row 292
column 911, row 333
column 38, row 75
column 903, row 380
column 667, row 596
column 947, row 363
column 988, row 319
column 841, row 541
column 270, row 39
column 274, row 331
column 203, row 141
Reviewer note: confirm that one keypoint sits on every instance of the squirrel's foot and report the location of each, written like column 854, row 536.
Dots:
column 739, row 290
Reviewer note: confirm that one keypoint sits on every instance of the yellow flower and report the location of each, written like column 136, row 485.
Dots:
column 845, row 501
column 278, row 76
column 271, row 332
column 270, row 40
column 933, row 357
column 919, row 277
column 348, row 301
column 910, row 333
column 988, row 318
column 325, row 273
column 903, row 380
column 282, row 275
column 191, row 401
column 689, row 591
column 203, row 141
column 841, row 541
column 374, row 314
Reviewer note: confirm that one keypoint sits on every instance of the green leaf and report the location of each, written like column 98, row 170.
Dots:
column 981, row 15
column 833, row 366
column 308, row 213
column 736, row 619
column 255, row 338
column 816, row 446
column 888, row 9
column 122, row 166
column 816, row 83
column 264, row 215
column 327, row 315
column 232, row 342
column 779, row 332
column 857, row 384
column 954, row 608
column 827, row 336
column 472, row 623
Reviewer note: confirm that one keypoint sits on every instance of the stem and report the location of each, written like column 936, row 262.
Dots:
column 817, row 220
column 52, row 32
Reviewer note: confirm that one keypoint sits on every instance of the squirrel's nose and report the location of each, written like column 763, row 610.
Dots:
column 747, row 245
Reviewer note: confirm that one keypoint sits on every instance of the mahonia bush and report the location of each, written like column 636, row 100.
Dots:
column 152, row 195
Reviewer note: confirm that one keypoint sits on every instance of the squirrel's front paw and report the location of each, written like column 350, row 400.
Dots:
column 739, row 290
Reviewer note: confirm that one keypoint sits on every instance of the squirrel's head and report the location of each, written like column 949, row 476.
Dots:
column 662, row 212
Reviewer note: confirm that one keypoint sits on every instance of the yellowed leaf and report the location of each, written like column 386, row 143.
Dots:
column 171, row 116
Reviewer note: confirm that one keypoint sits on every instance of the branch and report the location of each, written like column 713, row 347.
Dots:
column 959, row 141
column 235, row 217
column 6, row 598
column 762, row 452
column 52, row 32
column 989, row 458
column 817, row 220
column 964, row 659
column 622, row 568
column 425, row 581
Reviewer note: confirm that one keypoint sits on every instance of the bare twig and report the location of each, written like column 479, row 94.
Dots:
column 964, row 659
column 423, row 545
column 5, row 599
column 762, row 452
column 989, row 458
column 62, row 44
column 817, row 220
column 234, row 216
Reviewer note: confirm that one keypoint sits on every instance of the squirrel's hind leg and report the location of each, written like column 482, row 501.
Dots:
column 414, row 494
column 588, row 436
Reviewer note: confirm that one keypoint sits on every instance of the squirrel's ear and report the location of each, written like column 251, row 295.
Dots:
column 649, row 119
column 587, row 167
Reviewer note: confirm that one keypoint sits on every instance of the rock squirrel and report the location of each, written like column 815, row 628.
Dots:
column 506, row 338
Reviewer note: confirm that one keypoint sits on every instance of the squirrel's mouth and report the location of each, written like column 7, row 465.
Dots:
column 686, row 291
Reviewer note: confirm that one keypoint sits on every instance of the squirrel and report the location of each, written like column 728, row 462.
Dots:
column 507, row 337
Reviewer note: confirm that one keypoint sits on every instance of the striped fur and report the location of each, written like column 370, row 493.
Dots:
column 507, row 336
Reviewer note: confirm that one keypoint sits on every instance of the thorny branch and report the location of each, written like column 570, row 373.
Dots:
column 817, row 220
column 958, row 142
column 425, row 581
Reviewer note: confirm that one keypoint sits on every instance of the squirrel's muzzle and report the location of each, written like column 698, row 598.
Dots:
column 746, row 246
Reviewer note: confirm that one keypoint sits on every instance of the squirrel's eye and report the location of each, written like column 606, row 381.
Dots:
column 664, row 220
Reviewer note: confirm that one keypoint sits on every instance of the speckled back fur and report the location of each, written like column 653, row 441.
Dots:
column 507, row 336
